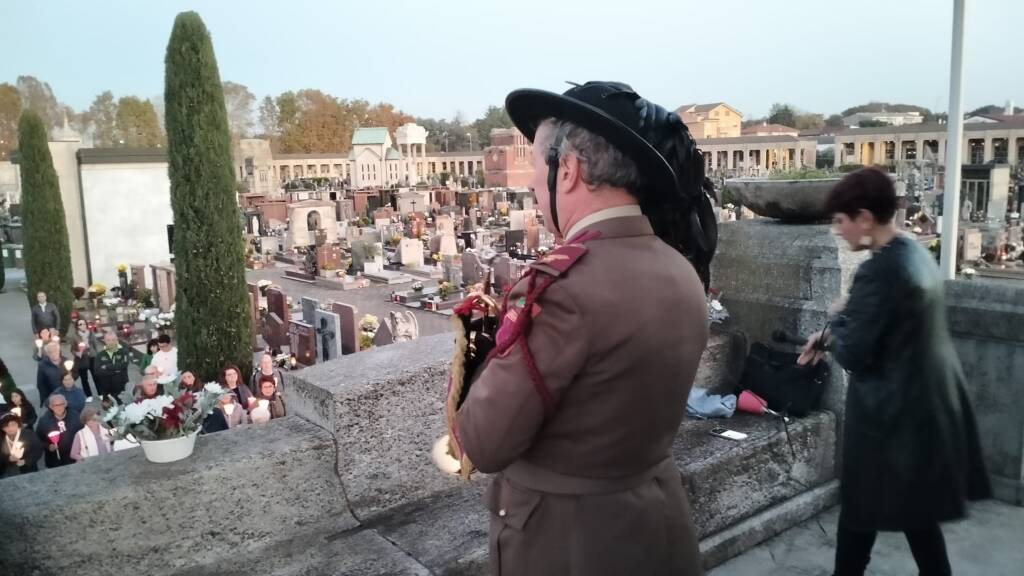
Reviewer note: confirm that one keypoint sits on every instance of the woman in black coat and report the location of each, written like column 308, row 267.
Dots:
column 911, row 453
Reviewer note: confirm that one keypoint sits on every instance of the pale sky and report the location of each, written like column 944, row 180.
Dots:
column 434, row 58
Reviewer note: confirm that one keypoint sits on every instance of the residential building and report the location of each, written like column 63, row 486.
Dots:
column 767, row 129
column 507, row 161
column 890, row 118
column 717, row 120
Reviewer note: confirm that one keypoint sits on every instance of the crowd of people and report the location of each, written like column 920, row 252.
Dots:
column 77, row 385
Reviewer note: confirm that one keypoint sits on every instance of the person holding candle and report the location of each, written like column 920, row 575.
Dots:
column 20, row 406
column 166, row 360
column 49, row 371
column 19, row 449
column 93, row 439
column 81, row 366
column 80, row 333
column 72, row 393
column 268, row 398
column 228, row 414
column 42, row 337
column 56, row 430
column 231, row 378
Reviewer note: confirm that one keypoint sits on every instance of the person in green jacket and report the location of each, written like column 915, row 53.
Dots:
column 151, row 349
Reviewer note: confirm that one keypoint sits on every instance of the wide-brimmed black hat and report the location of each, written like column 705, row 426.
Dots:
column 605, row 108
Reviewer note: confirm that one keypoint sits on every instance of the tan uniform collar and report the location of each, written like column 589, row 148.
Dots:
column 601, row 216
column 618, row 226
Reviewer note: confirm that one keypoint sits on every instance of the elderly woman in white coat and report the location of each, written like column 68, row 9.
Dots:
column 93, row 439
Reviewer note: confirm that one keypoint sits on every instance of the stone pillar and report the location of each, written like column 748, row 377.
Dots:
column 837, row 154
column 1011, row 151
column 776, row 276
column 989, row 153
column 798, row 161
column 714, row 160
column 919, row 145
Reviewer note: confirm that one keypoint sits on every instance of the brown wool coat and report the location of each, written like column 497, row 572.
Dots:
column 591, row 488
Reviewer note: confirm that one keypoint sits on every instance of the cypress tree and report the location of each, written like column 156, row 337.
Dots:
column 212, row 303
column 46, row 249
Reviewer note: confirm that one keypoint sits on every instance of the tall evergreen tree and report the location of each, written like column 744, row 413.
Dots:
column 214, row 327
column 46, row 248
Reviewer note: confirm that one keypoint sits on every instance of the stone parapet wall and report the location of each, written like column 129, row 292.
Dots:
column 119, row 515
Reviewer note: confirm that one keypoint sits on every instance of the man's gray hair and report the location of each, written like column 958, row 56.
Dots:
column 602, row 164
column 58, row 398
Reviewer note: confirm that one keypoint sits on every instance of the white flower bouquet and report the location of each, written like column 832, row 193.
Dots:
column 164, row 417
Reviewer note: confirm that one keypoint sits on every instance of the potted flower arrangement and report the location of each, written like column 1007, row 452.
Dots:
column 417, row 286
column 367, row 330
column 167, row 425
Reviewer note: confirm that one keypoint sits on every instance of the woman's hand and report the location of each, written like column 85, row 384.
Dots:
column 836, row 307
column 813, row 351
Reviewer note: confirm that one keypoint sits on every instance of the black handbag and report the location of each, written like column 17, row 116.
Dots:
column 786, row 386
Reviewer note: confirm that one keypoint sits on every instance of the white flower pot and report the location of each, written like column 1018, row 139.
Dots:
column 161, row 451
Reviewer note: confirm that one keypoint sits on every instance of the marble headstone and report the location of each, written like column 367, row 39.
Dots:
column 349, row 327
column 328, row 335
column 303, row 342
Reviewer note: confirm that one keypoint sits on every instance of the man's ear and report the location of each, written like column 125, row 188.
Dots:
column 569, row 171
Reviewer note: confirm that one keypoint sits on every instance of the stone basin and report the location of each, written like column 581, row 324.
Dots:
column 796, row 201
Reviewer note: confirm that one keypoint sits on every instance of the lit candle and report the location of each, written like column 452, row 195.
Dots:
column 39, row 343
column 16, row 411
column 18, row 450
column 264, row 403
column 69, row 364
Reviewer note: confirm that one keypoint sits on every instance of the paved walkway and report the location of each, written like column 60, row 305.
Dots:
column 16, row 339
column 987, row 543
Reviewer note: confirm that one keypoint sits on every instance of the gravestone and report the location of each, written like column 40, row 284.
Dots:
column 472, row 270
column 503, row 273
column 328, row 335
column 275, row 332
column 309, row 308
column 303, row 342
column 254, row 311
column 277, row 303
column 349, row 327
column 138, row 276
column 513, row 237
column 384, row 336
column 410, row 252
column 971, row 244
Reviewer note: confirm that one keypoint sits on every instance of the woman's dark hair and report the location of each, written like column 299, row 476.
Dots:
column 683, row 218
column 259, row 384
column 151, row 344
column 223, row 374
column 19, row 392
column 865, row 189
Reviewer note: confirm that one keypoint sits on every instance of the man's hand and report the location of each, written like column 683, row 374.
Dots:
column 52, row 447
column 20, row 463
column 811, row 353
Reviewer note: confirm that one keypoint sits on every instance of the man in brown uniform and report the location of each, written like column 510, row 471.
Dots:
column 577, row 407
